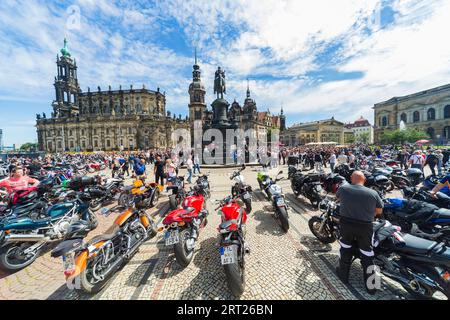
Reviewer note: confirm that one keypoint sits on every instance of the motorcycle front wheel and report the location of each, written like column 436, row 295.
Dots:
column 283, row 217
column 248, row 205
column 324, row 236
column 12, row 256
column 182, row 253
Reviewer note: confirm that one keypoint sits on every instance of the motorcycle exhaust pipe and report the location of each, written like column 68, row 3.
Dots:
column 25, row 238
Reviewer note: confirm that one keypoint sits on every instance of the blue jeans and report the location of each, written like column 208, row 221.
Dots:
column 197, row 166
column 189, row 178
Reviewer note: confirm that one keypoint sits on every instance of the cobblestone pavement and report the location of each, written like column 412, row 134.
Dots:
column 280, row 266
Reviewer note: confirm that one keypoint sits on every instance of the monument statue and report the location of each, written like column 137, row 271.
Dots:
column 219, row 83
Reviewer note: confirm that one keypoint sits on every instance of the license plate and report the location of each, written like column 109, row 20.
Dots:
column 172, row 237
column 281, row 203
column 228, row 254
column 246, row 196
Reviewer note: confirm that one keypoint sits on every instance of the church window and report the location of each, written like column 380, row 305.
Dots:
column 431, row 114
column 416, row 116
column 403, row 117
column 447, row 112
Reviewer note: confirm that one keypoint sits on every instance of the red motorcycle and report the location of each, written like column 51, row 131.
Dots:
column 232, row 244
column 96, row 166
column 182, row 225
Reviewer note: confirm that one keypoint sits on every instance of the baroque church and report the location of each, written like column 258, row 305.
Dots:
column 243, row 117
column 123, row 119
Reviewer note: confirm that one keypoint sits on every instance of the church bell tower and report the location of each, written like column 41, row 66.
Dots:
column 197, row 105
column 66, row 85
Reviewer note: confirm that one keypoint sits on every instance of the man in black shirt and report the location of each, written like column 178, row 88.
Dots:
column 159, row 170
column 358, row 207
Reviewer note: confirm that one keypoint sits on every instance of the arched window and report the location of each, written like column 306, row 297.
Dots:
column 416, row 116
column 431, row 114
column 384, row 121
column 447, row 112
column 403, row 117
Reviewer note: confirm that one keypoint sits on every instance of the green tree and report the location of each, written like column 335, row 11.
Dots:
column 29, row 146
column 402, row 136
column 363, row 137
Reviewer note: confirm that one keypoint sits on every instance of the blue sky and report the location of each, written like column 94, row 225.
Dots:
column 317, row 59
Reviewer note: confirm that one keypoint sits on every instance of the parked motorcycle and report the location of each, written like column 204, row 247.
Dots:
column 241, row 189
column 182, row 225
column 232, row 242
column 309, row 186
column 25, row 237
column 95, row 261
column 275, row 195
column 102, row 195
column 148, row 194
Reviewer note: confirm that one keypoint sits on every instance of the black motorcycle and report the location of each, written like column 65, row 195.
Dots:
column 241, row 189
column 421, row 266
column 441, row 200
column 309, row 186
column 102, row 195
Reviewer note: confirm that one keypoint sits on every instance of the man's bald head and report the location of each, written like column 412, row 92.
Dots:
column 358, row 178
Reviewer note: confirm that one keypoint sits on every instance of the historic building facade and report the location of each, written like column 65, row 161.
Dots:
column 244, row 117
column 329, row 130
column 124, row 119
column 427, row 110
column 362, row 129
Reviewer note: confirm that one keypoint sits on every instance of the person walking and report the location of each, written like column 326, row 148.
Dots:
column 189, row 166
column 196, row 163
column 318, row 162
column 158, row 170
column 332, row 161
column 416, row 160
column 359, row 206
column 431, row 161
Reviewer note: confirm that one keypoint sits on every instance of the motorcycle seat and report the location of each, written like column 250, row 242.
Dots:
column 418, row 246
column 226, row 224
column 20, row 210
column 108, row 235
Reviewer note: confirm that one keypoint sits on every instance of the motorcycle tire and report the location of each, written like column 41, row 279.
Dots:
column 88, row 287
column 155, row 198
column 248, row 205
column 235, row 275
column 324, row 238
column 182, row 254
column 284, row 219
column 7, row 265
column 173, row 203
column 125, row 199
column 95, row 205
